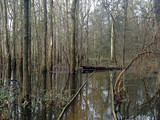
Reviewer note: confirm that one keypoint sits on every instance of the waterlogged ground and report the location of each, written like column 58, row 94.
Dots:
column 93, row 103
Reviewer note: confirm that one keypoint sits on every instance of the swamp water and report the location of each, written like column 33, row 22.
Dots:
column 94, row 101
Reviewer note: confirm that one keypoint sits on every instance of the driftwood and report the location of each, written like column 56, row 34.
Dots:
column 100, row 68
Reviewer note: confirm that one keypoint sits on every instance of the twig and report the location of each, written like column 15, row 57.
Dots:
column 64, row 109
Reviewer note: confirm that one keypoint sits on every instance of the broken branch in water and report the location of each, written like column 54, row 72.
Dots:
column 73, row 98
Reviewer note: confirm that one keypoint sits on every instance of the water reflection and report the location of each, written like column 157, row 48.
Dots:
column 94, row 101
column 142, row 98
column 26, row 113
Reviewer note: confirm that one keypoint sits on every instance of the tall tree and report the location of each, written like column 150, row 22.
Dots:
column 73, row 39
column 124, row 38
column 52, row 62
column 113, row 39
column 7, row 41
column 21, row 43
column 51, row 35
column 14, row 40
column 44, row 59
column 68, row 32
column 87, row 32
column 26, row 79
column 1, row 29
column 113, row 56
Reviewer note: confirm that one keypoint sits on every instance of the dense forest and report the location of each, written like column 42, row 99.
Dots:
column 48, row 48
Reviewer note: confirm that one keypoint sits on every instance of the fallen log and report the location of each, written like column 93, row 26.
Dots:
column 100, row 68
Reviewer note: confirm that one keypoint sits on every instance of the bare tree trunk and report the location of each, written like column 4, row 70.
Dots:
column 87, row 42
column 44, row 61
column 7, row 43
column 124, row 37
column 77, row 54
column 21, row 44
column 81, row 36
column 29, row 42
column 87, row 33
column 52, row 44
column 113, row 53
column 57, row 41
column 68, row 33
column 14, row 40
column 26, row 79
column 113, row 56
column 51, row 35
column 1, row 33
column 73, row 40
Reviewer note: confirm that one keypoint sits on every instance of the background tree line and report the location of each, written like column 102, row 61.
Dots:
column 103, row 30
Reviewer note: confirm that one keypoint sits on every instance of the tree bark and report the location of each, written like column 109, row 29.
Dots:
column 7, row 42
column 51, row 35
column 73, row 39
column 44, row 61
column 87, row 40
column 29, row 42
column 113, row 56
column 21, row 44
column 124, row 38
column 52, row 45
column 26, row 79
column 113, row 52
column 68, row 33
column 1, row 29
column 14, row 40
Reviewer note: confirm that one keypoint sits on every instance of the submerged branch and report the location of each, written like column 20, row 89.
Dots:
column 73, row 98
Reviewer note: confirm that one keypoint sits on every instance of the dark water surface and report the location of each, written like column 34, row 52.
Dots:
column 94, row 102
column 142, row 101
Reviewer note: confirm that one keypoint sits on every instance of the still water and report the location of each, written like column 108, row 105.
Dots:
column 142, row 100
column 94, row 102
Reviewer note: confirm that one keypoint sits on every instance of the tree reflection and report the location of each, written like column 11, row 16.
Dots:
column 26, row 113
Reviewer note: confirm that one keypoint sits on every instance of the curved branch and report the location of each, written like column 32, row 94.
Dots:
column 143, row 52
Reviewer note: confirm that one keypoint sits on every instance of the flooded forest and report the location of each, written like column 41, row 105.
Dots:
column 79, row 59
